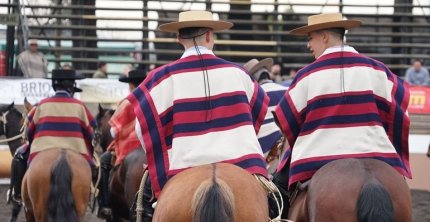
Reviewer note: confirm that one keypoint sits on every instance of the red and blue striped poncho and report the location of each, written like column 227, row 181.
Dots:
column 361, row 115
column 63, row 122
column 269, row 133
column 182, row 126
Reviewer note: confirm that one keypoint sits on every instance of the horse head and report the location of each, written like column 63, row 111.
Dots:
column 102, row 131
column 11, row 122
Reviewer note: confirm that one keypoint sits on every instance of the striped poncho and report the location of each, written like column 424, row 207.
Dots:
column 269, row 133
column 63, row 122
column 345, row 105
column 182, row 126
column 122, row 123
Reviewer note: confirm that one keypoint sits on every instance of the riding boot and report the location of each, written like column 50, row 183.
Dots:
column 19, row 167
column 104, row 202
column 148, row 200
column 280, row 179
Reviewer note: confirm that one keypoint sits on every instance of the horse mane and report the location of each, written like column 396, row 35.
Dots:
column 213, row 201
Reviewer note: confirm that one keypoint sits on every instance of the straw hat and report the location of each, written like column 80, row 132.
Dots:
column 254, row 65
column 190, row 19
column 325, row 21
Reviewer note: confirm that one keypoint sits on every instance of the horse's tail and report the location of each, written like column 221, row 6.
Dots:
column 374, row 203
column 213, row 201
column 61, row 205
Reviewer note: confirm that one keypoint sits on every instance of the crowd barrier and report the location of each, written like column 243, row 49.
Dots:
column 35, row 89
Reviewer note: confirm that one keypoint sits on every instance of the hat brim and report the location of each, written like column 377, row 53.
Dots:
column 346, row 24
column 127, row 79
column 264, row 63
column 173, row 27
column 75, row 77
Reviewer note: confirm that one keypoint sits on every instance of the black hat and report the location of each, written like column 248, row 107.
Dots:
column 134, row 76
column 63, row 74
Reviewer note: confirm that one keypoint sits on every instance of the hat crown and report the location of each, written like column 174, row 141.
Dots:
column 250, row 64
column 195, row 15
column 324, row 18
column 68, row 74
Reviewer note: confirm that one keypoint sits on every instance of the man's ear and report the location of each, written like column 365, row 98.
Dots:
column 208, row 36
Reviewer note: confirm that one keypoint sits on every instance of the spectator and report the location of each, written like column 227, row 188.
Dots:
column 276, row 73
column 66, row 66
column 417, row 75
column 101, row 71
column 31, row 62
column 289, row 79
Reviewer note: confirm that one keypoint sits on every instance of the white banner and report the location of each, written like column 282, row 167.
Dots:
column 35, row 89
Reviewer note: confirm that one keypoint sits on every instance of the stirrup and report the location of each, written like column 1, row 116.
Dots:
column 8, row 196
column 104, row 213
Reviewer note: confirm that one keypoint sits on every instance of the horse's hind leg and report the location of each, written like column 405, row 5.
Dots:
column 28, row 208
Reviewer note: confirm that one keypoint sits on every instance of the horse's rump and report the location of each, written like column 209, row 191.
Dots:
column 57, row 181
column 250, row 199
column 348, row 189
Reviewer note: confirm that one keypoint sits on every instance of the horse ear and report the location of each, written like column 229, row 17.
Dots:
column 10, row 106
column 101, row 110
column 27, row 105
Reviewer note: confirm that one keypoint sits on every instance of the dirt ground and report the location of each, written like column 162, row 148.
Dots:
column 420, row 202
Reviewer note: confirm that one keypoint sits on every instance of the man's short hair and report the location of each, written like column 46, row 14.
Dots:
column 101, row 64
column 189, row 33
column 337, row 31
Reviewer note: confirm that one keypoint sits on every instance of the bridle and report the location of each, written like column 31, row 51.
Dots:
column 22, row 131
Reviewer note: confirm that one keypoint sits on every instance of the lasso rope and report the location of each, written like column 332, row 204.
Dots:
column 139, row 201
column 271, row 189
column 22, row 130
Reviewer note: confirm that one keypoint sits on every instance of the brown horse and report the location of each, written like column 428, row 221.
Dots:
column 56, row 186
column 125, row 178
column 354, row 190
column 216, row 192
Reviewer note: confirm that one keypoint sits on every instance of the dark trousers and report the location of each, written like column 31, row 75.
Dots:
column 106, row 166
column 280, row 179
column 18, row 168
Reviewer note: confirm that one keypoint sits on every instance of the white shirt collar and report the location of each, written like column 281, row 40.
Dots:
column 338, row 48
column 192, row 51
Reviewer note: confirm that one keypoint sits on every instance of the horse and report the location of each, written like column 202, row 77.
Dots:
column 102, row 132
column 353, row 190
column 11, row 122
column 215, row 192
column 125, row 178
column 56, row 186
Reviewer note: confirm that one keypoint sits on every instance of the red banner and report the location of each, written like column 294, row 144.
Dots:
column 419, row 101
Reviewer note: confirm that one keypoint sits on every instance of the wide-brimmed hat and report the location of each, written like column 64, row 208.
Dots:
column 66, row 74
column 191, row 19
column 133, row 76
column 325, row 21
column 254, row 65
